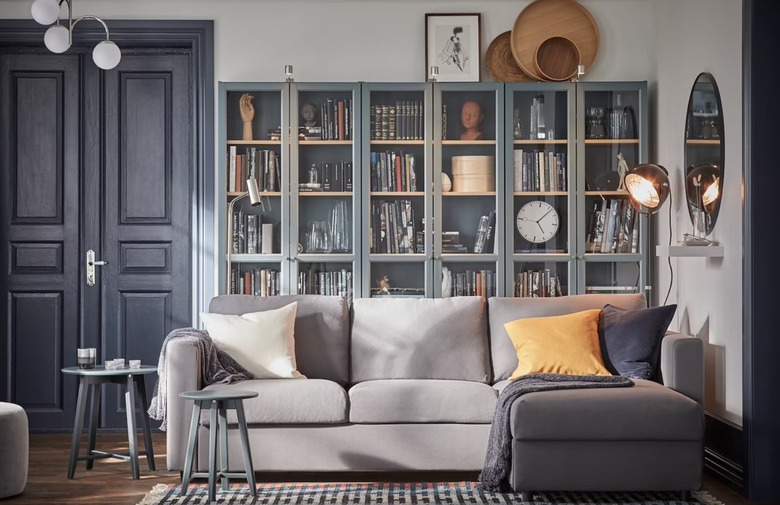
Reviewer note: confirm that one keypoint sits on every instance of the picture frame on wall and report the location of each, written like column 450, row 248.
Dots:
column 453, row 45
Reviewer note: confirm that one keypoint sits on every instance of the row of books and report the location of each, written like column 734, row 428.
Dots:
column 402, row 121
column 539, row 171
column 537, row 284
column 257, row 282
column 262, row 165
column 392, row 227
column 329, row 176
column 485, row 241
column 251, row 235
column 337, row 115
column 612, row 228
column 391, row 171
column 473, row 283
column 338, row 283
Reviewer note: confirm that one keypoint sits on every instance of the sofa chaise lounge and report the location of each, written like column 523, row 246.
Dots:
column 411, row 384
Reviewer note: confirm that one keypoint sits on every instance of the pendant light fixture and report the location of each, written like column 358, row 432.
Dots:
column 58, row 38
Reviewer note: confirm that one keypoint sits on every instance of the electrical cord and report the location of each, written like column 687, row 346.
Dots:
column 669, row 258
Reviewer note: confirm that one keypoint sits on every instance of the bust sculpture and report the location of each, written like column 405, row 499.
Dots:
column 471, row 117
column 309, row 114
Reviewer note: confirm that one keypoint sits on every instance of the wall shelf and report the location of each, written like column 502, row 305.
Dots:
column 704, row 251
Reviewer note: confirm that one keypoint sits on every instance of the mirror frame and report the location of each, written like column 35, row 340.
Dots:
column 695, row 144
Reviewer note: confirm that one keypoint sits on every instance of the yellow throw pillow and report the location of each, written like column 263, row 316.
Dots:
column 567, row 344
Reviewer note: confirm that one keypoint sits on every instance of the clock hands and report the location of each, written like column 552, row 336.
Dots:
column 545, row 215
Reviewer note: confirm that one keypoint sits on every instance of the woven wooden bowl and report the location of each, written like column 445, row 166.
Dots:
column 556, row 59
column 501, row 62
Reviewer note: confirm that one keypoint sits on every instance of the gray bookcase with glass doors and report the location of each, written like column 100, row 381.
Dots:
column 378, row 190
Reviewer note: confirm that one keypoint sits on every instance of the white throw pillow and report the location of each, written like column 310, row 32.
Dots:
column 261, row 342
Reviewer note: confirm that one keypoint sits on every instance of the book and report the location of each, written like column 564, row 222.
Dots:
column 267, row 238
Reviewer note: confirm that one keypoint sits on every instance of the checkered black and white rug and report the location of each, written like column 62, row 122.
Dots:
column 403, row 493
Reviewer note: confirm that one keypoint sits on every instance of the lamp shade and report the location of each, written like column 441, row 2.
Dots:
column 254, row 193
column 106, row 55
column 57, row 39
column 648, row 187
column 45, row 12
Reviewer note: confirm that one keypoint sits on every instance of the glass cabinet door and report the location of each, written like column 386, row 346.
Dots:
column 613, row 128
column 324, row 177
column 467, row 177
column 396, row 168
column 540, row 190
column 255, row 240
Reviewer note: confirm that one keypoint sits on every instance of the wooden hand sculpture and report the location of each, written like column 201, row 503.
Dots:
column 247, row 114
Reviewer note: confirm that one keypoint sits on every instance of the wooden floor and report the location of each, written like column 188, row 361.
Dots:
column 109, row 482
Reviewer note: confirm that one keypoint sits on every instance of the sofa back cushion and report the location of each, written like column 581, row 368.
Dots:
column 420, row 338
column 504, row 310
column 321, row 329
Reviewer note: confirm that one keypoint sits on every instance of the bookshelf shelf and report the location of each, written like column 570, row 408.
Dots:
column 324, row 194
column 540, row 193
column 607, row 193
column 325, row 142
column 256, row 258
column 468, row 142
column 397, row 142
column 326, row 257
column 541, row 257
column 469, row 258
column 254, row 142
column 530, row 142
column 233, row 194
column 470, row 193
column 609, row 142
column 397, row 258
column 613, row 257
column 382, row 194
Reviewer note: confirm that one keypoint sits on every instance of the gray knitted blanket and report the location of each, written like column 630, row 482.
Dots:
column 217, row 367
column 498, row 461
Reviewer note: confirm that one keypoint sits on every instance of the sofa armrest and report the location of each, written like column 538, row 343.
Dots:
column 682, row 365
column 184, row 366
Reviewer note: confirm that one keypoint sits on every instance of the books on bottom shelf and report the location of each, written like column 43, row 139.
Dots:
column 251, row 235
column 613, row 228
column 256, row 281
column 337, row 282
column 469, row 283
column 537, row 284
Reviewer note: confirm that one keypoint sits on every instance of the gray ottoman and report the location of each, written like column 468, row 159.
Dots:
column 14, row 440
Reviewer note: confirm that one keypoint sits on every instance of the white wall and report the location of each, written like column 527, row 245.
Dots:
column 704, row 36
column 666, row 42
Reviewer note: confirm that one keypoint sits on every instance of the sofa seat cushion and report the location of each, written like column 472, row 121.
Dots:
column 421, row 401
column 646, row 411
column 284, row 401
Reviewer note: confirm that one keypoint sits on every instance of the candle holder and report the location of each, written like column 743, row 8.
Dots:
column 86, row 357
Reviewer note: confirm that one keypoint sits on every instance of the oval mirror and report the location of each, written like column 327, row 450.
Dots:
column 704, row 154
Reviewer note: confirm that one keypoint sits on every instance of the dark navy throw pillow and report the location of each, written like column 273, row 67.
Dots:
column 631, row 339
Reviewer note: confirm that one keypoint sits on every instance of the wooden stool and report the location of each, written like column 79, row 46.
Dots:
column 218, row 400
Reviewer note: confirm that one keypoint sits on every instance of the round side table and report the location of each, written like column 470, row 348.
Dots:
column 218, row 401
column 89, row 377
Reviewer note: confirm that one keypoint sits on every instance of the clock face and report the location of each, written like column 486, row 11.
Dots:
column 537, row 221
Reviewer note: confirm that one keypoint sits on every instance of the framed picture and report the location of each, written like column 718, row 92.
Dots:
column 452, row 44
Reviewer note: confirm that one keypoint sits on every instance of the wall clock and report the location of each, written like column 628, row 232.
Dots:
column 537, row 221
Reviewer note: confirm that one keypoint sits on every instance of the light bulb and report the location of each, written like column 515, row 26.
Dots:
column 642, row 190
column 45, row 12
column 56, row 39
column 106, row 55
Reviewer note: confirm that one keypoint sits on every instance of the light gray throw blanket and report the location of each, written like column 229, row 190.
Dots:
column 498, row 461
column 217, row 367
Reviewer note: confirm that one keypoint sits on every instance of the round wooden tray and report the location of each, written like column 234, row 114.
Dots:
column 501, row 62
column 556, row 59
column 543, row 19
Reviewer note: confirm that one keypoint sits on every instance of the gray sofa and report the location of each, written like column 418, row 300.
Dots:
column 411, row 384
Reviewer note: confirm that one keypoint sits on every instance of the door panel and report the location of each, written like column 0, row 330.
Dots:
column 146, row 287
column 39, row 179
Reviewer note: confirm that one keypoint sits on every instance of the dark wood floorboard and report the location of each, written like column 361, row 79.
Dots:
column 109, row 482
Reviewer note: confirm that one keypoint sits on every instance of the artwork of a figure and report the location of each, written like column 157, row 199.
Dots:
column 622, row 171
column 453, row 52
column 247, row 109
column 309, row 113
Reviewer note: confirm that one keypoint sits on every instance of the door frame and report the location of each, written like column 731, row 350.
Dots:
column 198, row 37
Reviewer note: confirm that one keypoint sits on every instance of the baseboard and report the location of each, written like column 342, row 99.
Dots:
column 724, row 452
